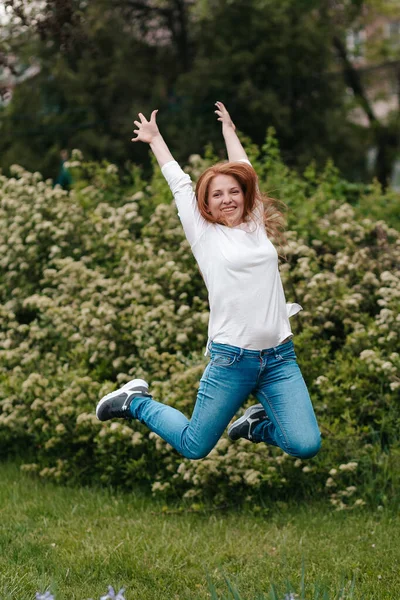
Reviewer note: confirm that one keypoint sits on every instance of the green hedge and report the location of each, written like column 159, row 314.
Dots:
column 98, row 286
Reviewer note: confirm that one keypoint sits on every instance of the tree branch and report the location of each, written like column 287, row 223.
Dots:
column 353, row 79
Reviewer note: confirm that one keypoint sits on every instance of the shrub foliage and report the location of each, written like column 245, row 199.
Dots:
column 98, row 286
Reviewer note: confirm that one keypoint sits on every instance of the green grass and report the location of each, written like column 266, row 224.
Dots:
column 78, row 541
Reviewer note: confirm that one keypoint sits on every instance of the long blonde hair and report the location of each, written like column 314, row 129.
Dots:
column 245, row 175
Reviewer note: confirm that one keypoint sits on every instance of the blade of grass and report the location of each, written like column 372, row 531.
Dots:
column 303, row 576
column 212, row 589
column 272, row 594
column 233, row 590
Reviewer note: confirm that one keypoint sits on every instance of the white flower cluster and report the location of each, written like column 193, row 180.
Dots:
column 110, row 595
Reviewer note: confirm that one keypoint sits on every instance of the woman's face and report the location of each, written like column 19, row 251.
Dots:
column 226, row 199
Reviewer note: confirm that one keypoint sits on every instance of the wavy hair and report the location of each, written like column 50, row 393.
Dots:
column 245, row 175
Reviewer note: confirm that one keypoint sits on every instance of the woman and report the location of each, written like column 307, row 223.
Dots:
column 249, row 331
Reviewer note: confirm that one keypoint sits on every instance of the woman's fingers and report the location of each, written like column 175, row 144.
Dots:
column 137, row 138
column 145, row 130
column 222, row 112
column 223, row 115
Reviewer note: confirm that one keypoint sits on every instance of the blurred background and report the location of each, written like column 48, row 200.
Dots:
column 324, row 73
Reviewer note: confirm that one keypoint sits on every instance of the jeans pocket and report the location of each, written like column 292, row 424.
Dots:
column 222, row 360
column 287, row 356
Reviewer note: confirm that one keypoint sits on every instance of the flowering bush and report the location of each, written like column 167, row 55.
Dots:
column 98, row 286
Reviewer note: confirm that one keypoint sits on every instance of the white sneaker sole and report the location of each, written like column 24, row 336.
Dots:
column 130, row 386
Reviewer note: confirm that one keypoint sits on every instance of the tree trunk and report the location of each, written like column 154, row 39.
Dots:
column 385, row 138
column 387, row 145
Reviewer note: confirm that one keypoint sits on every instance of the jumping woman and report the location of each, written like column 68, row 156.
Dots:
column 226, row 222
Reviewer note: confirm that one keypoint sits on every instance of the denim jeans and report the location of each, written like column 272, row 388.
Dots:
column 233, row 373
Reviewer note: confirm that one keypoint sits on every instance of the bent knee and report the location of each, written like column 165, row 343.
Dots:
column 310, row 451
column 196, row 453
column 306, row 448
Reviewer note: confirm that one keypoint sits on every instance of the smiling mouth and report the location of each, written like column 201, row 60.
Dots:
column 230, row 209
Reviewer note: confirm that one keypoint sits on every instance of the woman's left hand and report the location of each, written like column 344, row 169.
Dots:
column 224, row 116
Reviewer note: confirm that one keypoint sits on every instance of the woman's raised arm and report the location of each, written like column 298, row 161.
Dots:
column 235, row 150
column 234, row 147
column 179, row 182
column 147, row 131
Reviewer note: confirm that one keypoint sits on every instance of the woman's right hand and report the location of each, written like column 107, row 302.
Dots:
column 146, row 130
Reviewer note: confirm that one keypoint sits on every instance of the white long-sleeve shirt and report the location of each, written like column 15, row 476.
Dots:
column 240, row 269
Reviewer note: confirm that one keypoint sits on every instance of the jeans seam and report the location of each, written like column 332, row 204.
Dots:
column 200, row 400
column 207, row 369
column 283, row 359
column 276, row 417
column 223, row 364
column 259, row 371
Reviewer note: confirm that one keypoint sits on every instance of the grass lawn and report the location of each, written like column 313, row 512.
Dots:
column 76, row 542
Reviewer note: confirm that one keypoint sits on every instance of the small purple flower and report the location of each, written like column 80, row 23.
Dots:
column 45, row 596
column 111, row 595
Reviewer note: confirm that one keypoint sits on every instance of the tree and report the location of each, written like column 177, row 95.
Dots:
column 95, row 75
column 270, row 63
column 338, row 18
column 284, row 64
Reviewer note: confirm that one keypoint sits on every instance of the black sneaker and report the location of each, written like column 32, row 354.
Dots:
column 116, row 404
column 244, row 427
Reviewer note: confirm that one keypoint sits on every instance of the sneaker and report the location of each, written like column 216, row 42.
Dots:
column 244, row 427
column 116, row 404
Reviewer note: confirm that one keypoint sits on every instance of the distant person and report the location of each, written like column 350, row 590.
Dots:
column 226, row 221
column 64, row 178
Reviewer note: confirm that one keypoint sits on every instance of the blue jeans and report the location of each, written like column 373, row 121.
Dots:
column 233, row 373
